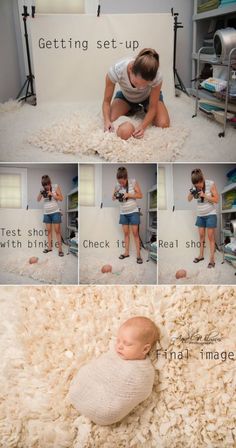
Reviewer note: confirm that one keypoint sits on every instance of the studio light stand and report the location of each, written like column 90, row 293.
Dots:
column 29, row 82
column 177, row 79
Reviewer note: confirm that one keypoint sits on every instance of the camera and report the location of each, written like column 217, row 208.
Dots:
column 44, row 193
column 119, row 196
column 196, row 193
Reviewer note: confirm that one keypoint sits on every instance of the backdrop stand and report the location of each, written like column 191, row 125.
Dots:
column 28, row 85
column 177, row 79
column 99, row 9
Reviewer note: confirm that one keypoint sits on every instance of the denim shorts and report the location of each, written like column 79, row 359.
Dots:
column 53, row 218
column 209, row 221
column 135, row 106
column 132, row 219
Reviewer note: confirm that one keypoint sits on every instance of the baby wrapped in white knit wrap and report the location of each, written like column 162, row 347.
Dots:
column 109, row 387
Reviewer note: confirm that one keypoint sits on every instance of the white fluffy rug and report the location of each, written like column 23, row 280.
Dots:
column 197, row 273
column 50, row 269
column 83, row 134
column 192, row 140
column 124, row 272
column 50, row 331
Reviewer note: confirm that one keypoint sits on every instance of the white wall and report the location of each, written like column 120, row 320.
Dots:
column 145, row 174
column 10, row 53
column 184, row 39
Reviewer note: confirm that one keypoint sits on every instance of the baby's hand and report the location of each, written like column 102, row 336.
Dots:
column 138, row 132
column 108, row 127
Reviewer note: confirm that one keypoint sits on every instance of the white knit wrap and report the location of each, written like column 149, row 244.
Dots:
column 107, row 388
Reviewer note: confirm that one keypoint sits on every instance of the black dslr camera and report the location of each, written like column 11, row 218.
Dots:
column 196, row 193
column 119, row 196
column 45, row 192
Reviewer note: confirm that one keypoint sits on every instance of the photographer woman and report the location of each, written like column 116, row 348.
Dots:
column 127, row 191
column 51, row 194
column 207, row 197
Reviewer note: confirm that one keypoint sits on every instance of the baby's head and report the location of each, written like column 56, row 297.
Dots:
column 33, row 260
column 136, row 337
column 125, row 130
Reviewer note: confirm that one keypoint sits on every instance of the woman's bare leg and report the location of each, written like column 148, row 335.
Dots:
column 119, row 108
column 202, row 234
column 127, row 239
column 136, row 239
column 162, row 119
column 49, row 232
column 211, row 237
column 57, row 228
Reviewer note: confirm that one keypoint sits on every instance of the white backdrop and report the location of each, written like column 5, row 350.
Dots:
column 59, row 6
column 74, row 74
column 100, row 224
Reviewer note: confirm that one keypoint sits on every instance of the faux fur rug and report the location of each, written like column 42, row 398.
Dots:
column 49, row 268
column 10, row 106
column 82, row 133
column 196, row 273
column 124, row 272
column 54, row 329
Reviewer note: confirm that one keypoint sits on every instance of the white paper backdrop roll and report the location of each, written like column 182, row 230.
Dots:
column 72, row 53
column 59, row 6
column 98, row 226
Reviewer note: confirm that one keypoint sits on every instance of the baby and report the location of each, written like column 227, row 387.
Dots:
column 125, row 130
column 109, row 387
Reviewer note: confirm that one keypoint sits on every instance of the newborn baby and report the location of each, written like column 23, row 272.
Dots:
column 125, row 130
column 109, row 387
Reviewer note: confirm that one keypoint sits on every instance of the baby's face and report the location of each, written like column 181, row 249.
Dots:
column 129, row 344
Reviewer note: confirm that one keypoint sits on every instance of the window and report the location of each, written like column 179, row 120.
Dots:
column 162, row 205
column 13, row 187
column 165, row 187
column 87, row 185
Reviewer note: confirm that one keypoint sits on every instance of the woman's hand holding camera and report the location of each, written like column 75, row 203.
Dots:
column 202, row 194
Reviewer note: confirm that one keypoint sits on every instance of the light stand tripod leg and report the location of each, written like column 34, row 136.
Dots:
column 181, row 85
column 27, row 90
column 22, row 89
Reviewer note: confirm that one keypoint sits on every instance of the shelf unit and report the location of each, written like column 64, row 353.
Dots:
column 72, row 220
column 202, row 23
column 152, row 211
column 227, row 215
column 224, row 104
column 152, row 222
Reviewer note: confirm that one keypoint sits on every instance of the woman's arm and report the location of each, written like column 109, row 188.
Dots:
column 213, row 198
column 113, row 194
column 39, row 197
column 190, row 197
column 151, row 113
column 58, row 194
column 137, row 195
column 106, row 105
